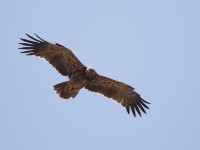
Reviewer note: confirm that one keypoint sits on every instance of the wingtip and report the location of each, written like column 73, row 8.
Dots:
column 128, row 109
column 133, row 111
column 36, row 34
column 145, row 101
column 39, row 37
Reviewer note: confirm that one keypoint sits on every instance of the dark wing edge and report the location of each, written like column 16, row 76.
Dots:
column 139, row 106
column 29, row 46
column 57, row 55
column 120, row 92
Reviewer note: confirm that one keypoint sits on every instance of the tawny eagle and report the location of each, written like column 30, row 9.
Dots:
column 81, row 76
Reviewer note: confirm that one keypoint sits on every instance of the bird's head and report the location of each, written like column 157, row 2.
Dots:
column 90, row 72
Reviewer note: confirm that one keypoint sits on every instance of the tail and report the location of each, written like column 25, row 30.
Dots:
column 65, row 90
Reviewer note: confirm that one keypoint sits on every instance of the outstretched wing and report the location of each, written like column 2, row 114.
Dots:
column 57, row 55
column 120, row 92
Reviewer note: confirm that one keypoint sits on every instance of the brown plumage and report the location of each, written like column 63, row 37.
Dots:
column 81, row 76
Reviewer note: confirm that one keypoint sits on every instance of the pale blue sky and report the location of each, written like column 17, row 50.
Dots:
column 153, row 45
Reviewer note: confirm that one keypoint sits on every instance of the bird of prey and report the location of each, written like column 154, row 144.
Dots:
column 80, row 76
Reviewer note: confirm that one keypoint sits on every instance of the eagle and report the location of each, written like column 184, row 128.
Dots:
column 80, row 76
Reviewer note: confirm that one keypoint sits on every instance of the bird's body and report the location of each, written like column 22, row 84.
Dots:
column 81, row 76
column 77, row 81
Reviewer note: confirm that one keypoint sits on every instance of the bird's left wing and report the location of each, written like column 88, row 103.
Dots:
column 120, row 92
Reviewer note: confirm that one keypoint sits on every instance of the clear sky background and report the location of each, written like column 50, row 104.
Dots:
column 153, row 45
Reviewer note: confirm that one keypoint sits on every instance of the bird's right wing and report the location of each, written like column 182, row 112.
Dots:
column 57, row 55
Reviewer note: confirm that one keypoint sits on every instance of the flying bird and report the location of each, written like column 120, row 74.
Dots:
column 80, row 76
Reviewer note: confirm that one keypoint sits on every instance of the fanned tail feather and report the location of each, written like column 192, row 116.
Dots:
column 65, row 90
